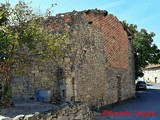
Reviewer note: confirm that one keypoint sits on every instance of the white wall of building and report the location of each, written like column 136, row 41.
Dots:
column 151, row 75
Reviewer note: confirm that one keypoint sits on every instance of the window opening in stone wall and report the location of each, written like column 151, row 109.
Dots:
column 60, row 73
column 62, row 89
column 63, row 93
column 73, row 97
column 155, row 79
column 0, row 86
column 119, row 85
column 90, row 22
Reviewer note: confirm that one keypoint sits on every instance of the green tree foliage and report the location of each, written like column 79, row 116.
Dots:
column 145, row 52
column 23, row 34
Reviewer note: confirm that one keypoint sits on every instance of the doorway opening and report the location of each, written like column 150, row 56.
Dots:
column 155, row 79
column 119, row 87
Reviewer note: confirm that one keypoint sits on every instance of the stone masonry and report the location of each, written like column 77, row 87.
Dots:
column 98, row 67
column 66, row 111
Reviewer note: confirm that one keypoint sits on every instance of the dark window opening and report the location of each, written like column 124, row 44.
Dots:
column 155, row 79
column 0, row 86
column 90, row 22
column 118, row 77
column 63, row 93
column 60, row 73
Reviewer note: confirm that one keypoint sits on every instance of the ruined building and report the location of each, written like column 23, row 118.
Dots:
column 99, row 68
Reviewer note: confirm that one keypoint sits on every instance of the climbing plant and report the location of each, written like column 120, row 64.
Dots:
column 24, row 34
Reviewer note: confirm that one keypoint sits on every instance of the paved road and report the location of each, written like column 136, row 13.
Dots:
column 146, row 104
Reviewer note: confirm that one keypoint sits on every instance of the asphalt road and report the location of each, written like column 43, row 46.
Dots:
column 145, row 107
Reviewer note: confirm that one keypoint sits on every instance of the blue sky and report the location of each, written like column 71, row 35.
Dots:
column 144, row 13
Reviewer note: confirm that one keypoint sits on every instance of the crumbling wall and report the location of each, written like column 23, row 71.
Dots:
column 66, row 111
column 98, row 67
column 119, row 56
column 40, row 75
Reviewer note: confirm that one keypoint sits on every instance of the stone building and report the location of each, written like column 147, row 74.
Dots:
column 151, row 74
column 99, row 67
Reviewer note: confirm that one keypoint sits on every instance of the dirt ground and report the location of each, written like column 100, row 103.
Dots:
column 24, row 107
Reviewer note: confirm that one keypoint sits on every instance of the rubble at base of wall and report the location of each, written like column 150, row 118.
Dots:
column 66, row 111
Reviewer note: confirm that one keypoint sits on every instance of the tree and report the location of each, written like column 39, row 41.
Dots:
column 145, row 52
column 23, row 34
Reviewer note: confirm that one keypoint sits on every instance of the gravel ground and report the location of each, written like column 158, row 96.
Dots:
column 26, row 107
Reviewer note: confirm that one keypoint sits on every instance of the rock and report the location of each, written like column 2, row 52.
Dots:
column 73, row 74
column 59, row 117
column 64, row 118
column 18, row 117
column 4, row 118
column 29, row 117
column 67, row 60
column 71, row 117
column 50, row 118
column 70, row 103
column 35, row 71
column 64, row 105
column 54, row 119
column 79, row 117
column 36, row 113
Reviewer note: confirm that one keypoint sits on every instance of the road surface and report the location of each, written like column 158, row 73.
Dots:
column 145, row 107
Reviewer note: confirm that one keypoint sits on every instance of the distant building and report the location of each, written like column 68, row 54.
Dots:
column 152, row 73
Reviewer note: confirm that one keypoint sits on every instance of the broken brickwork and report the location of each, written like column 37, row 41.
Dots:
column 99, row 66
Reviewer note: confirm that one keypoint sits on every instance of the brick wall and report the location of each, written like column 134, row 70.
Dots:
column 115, row 39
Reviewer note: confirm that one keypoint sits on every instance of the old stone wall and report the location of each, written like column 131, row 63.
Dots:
column 41, row 75
column 98, row 67
column 79, row 111
column 118, row 55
